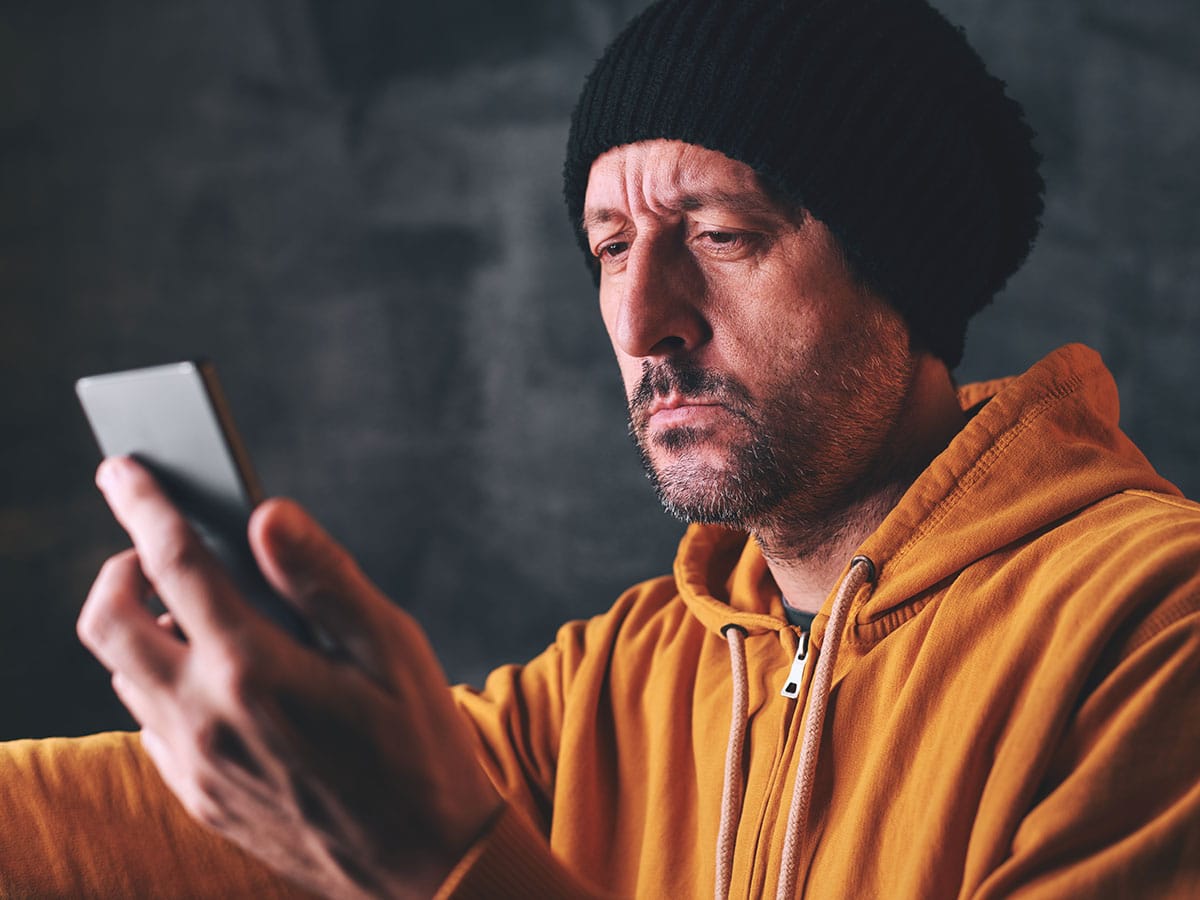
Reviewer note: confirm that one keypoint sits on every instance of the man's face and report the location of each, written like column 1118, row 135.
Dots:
column 762, row 378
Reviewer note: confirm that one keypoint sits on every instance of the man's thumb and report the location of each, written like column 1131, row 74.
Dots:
column 311, row 570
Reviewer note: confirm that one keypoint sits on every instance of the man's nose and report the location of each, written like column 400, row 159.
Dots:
column 661, row 302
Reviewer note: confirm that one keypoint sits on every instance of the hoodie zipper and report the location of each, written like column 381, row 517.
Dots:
column 795, row 677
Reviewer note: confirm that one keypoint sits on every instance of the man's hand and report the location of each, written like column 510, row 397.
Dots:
column 352, row 776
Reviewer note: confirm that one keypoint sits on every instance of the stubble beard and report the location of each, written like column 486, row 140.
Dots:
column 749, row 483
column 803, row 463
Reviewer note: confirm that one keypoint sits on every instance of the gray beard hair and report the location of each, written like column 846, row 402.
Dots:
column 753, row 493
column 805, row 465
column 772, row 487
column 748, row 491
column 750, row 486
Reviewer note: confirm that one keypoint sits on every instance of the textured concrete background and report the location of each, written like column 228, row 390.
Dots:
column 352, row 206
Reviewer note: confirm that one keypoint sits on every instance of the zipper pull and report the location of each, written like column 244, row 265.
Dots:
column 791, row 687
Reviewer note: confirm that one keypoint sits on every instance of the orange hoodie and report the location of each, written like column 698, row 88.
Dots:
column 1011, row 706
column 1014, row 707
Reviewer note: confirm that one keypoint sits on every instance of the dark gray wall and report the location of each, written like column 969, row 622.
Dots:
column 352, row 206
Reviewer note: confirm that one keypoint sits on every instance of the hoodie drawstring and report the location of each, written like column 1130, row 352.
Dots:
column 862, row 571
column 731, row 791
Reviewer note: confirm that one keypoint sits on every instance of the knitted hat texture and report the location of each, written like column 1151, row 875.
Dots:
column 875, row 116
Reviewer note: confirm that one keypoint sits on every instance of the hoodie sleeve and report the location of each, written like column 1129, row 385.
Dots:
column 89, row 817
column 1119, row 812
column 519, row 714
column 513, row 860
column 517, row 719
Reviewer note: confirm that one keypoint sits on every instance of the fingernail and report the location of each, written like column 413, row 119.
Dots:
column 105, row 475
column 111, row 472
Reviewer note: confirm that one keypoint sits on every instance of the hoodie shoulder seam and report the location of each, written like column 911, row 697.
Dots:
column 1165, row 499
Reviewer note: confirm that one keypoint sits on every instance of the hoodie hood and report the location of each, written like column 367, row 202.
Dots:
column 1038, row 448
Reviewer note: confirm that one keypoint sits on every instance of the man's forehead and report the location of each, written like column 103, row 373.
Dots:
column 671, row 176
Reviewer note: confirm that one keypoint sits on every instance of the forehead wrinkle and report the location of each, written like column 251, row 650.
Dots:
column 687, row 183
column 693, row 201
column 736, row 189
column 628, row 170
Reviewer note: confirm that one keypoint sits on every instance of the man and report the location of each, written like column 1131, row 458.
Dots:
column 922, row 641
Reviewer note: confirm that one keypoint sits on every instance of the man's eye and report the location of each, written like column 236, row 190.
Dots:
column 724, row 239
column 612, row 249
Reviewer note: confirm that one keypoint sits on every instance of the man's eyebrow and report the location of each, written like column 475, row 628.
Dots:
column 593, row 218
column 731, row 201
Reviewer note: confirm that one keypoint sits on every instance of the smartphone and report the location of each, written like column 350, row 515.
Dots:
column 174, row 420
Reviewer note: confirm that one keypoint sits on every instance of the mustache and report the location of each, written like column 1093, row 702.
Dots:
column 687, row 380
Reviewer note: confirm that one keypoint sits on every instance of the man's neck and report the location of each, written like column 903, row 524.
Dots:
column 805, row 579
column 806, row 557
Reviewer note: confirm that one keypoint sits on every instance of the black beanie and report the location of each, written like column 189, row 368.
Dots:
column 876, row 116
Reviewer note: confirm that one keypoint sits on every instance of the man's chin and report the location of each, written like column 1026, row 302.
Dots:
column 693, row 491
column 682, row 440
column 689, row 448
column 701, row 476
column 701, row 509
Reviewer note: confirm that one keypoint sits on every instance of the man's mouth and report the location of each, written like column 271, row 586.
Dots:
column 674, row 410
column 677, row 397
column 675, row 401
